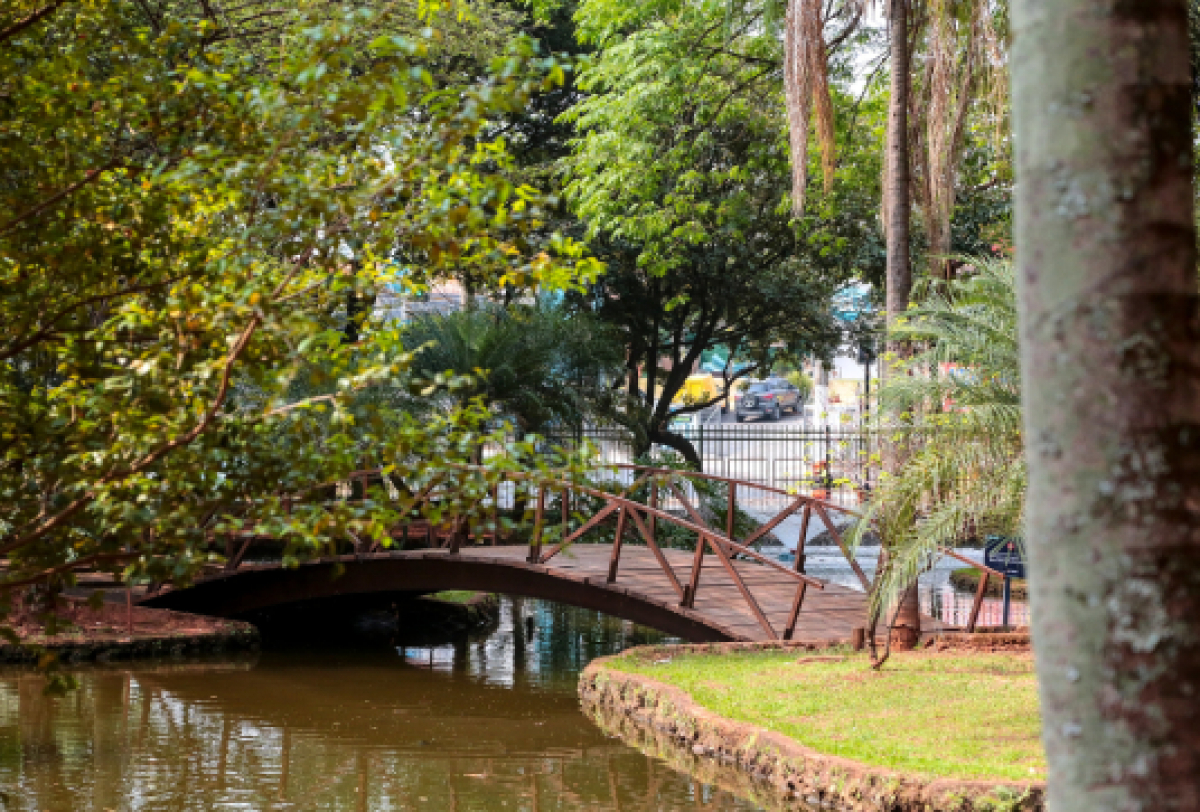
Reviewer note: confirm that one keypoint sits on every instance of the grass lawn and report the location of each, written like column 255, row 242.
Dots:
column 455, row 595
column 946, row 715
column 967, row 580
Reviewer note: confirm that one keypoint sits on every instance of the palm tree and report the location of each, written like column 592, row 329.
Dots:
column 965, row 474
column 806, row 85
column 535, row 365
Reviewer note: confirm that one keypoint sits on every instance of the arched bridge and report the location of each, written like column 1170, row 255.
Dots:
column 722, row 589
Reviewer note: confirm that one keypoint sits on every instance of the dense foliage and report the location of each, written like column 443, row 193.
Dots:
column 957, row 406
column 680, row 177
column 535, row 366
column 190, row 207
column 202, row 201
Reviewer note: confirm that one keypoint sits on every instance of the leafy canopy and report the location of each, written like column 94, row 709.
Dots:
column 184, row 207
column 533, row 364
column 680, row 176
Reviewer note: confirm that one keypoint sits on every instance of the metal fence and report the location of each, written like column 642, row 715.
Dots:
column 838, row 465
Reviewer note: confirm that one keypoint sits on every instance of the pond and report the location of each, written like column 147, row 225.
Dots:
column 484, row 721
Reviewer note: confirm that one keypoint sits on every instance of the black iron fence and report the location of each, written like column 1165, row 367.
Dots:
column 835, row 464
column 838, row 464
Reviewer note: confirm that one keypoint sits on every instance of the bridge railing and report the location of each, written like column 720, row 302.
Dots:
column 664, row 494
column 640, row 500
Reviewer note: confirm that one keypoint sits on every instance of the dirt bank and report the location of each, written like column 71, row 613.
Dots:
column 114, row 631
column 460, row 610
column 790, row 775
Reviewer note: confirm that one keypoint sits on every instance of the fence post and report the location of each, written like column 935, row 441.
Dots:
column 770, row 462
column 652, row 522
column 828, row 462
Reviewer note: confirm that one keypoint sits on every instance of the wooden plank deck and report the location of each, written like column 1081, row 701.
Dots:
column 577, row 574
column 828, row 614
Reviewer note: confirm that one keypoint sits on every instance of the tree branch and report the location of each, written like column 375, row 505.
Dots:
column 48, row 331
column 92, row 175
column 21, row 25
column 186, row 438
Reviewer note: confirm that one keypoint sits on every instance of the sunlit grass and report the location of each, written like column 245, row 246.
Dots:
column 455, row 595
column 939, row 715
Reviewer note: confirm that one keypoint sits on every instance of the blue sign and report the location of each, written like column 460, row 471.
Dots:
column 852, row 301
column 1005, row 555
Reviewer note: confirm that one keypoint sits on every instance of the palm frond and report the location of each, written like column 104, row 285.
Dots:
column 963, row 474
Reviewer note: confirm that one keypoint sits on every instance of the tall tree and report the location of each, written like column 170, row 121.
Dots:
column 1110, row 352
column 806, row 89
column 939, row 111
column 680, row 174
column 897, row 204
column 897, row 208
column 966, row 477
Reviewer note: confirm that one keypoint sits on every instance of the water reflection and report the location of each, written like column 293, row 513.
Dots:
column 478, row 723
column 535, row 643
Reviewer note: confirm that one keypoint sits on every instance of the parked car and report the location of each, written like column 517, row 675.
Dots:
column 769, row 398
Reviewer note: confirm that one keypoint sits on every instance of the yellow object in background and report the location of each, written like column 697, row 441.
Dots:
column 697, row 389
column 843, row 391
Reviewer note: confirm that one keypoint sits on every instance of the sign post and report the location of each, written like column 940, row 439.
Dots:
column 1007, row 556
column 1007, row 601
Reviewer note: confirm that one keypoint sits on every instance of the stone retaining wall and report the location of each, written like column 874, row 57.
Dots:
column 793, row 776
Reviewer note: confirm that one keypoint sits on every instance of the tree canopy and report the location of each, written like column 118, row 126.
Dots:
column 183, row 217
column 680, row 177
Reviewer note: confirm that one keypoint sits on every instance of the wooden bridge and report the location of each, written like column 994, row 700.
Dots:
column 723, row 589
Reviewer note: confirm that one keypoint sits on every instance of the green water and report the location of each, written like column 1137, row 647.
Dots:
column 483, row 722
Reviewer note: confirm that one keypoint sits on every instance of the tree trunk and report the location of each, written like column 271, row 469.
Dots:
column 631, row 383
column 652, row 361
column 899, row 267
column 679, row 443
column 1110, row 353
column 898, row 201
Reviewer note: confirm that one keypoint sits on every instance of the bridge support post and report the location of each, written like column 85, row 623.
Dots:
column 535, row 541
column 689, row 592
column 795, row 614
column 652, row 522
column 615, row 558
column 495, row 514
column 457, row 532
column 566, row 512
column 731, row 512
column 803, row 537
column 979, row 593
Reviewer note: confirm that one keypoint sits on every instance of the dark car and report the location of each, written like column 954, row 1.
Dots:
column 769, row 398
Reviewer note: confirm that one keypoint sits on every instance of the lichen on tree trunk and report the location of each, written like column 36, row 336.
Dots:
column 1110, row 344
